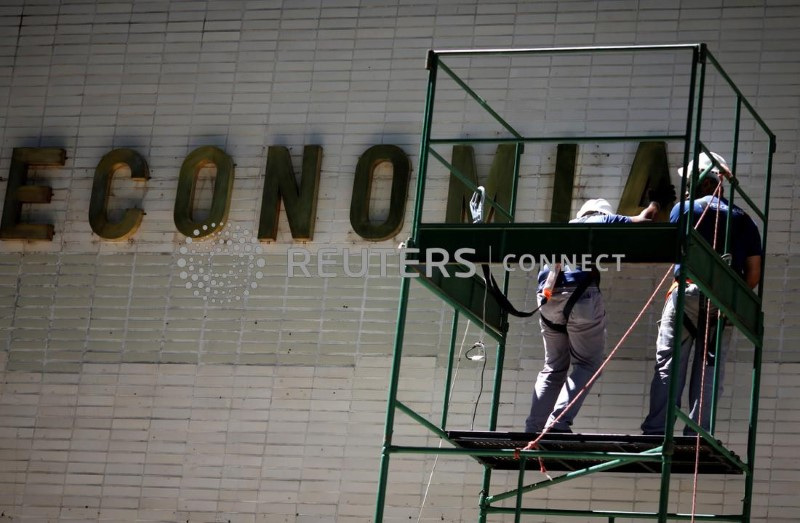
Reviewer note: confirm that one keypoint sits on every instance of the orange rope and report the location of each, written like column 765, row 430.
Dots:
column 597, row 373
column 705, row 356
column 532, row 445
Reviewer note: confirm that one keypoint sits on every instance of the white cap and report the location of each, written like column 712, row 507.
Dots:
column 596, row 205
column 704, row 162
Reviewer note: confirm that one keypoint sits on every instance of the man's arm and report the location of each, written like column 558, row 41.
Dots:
column 647, row 214
column 752, row 270
column 661, row 197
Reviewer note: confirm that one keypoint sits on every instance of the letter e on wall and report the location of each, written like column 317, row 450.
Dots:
column 18, row 192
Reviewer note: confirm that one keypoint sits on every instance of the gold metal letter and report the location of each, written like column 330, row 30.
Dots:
column 359, row 205
column 498, row 185
column 187, row 183
column 18, row 193
column 564, row 182
column 650, row 169
column 101, row 190
column 280, row 183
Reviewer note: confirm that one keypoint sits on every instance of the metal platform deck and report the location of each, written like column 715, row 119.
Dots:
column 711, row 461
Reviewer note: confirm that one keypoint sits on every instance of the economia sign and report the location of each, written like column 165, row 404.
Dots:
column 299, row 201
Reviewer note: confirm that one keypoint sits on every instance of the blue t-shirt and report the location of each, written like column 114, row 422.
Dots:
column 570, row 276
column 745, row 240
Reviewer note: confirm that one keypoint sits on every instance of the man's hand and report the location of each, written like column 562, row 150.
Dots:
column 664, row 195
column 725, row 173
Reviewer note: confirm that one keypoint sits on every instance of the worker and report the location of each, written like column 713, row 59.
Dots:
column 698, row 326
column 573, row 323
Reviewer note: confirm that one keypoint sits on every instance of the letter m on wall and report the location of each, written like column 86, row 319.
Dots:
column 280, row 184
column 498, row 186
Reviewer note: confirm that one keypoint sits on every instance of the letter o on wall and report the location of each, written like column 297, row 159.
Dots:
column 359, row 204
column 220, row 200
column 101, row 190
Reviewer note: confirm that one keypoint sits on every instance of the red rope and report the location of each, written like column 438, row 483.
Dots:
column 705, row 356
column 532, row 445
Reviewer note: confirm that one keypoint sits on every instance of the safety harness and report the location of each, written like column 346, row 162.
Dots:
column 710, row 331
column 476, row 209
column 594, row 278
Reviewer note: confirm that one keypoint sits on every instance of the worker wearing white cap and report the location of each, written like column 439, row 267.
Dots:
column 573, row 322
column 696, row 332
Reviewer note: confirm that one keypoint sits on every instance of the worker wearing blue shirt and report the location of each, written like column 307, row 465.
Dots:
column 698, row 326
column 573, row 323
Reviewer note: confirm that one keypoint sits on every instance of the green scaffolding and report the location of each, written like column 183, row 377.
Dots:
column 650, row 242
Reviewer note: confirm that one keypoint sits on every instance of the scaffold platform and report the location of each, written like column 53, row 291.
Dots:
column 711, row 460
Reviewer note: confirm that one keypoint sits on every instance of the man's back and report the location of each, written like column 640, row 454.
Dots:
column 745, row 239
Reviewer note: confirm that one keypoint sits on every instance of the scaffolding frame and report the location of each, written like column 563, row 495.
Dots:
column 672, row 242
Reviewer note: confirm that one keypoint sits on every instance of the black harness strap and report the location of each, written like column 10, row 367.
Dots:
column 501, row 299
column 689, row 326
column 476, row 205
column 560, row 327
column 579, row 290
column 497, row 294
column 572, row 300
column 698, row 333
column 707, row 334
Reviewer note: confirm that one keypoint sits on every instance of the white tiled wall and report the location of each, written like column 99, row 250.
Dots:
column 125, row 397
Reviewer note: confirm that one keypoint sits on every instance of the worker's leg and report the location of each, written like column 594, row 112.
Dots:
column 670, row 326
column 586, row 328
column 702, row 380
column 556, row 364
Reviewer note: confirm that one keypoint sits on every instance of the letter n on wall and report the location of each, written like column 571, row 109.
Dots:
column 280, row 184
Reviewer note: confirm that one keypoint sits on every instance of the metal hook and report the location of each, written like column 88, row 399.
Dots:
column 476, row 204
column 480, row 352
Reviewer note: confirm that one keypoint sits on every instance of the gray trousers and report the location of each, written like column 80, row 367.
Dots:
column 583, row 346
column 669, row 325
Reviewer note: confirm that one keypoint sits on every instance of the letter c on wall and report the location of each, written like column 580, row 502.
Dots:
column 359, row 205
column 101, row 190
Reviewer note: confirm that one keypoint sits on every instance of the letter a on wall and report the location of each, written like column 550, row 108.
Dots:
column 187, row 183
column 280, row 184
column 362, row 185
column 19, row 192
column 101, row 190
column 650, row 170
